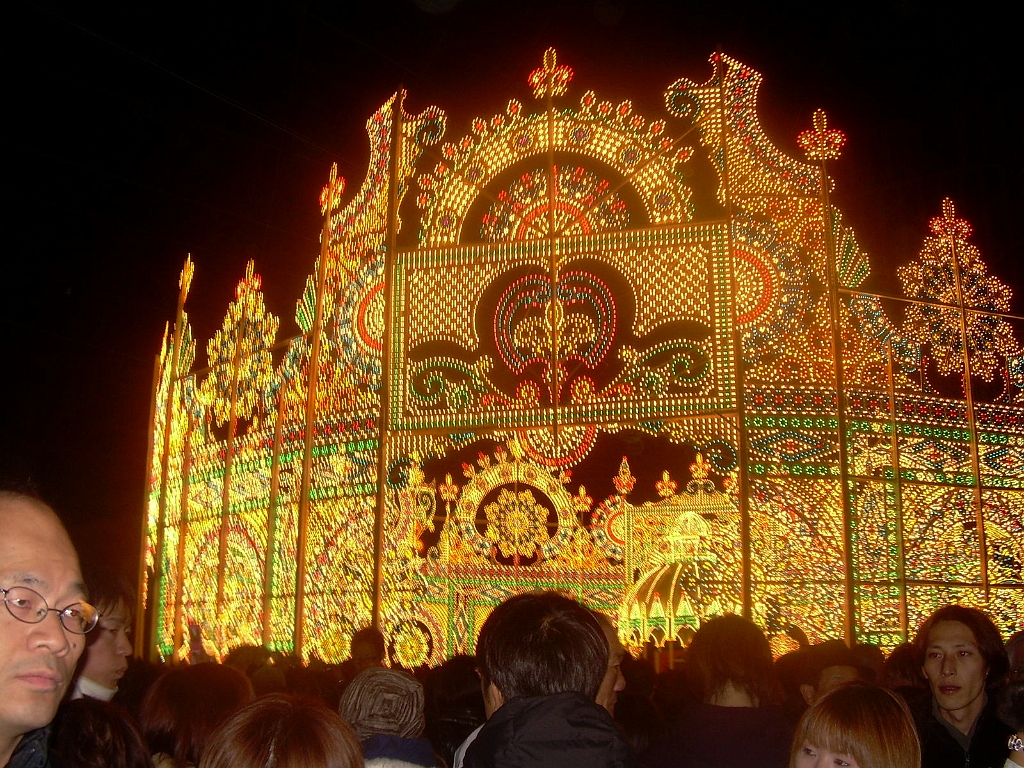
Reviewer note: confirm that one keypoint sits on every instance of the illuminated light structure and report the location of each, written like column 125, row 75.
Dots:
column 502, row 328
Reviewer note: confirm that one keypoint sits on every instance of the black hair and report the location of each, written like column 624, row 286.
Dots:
column 986, row 635
column 730, row 649
column 1010, row 705
column 89, row 733
column 107, row 589
column 368, row 645
column 541, row 643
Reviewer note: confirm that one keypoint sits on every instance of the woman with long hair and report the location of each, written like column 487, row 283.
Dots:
column 185, row 705
column 730, row 669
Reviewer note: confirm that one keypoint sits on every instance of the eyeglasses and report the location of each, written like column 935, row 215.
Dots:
column 29, row 606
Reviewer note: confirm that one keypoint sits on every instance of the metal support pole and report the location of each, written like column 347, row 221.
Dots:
column 156, row 586
column 897, row 480
column 832, row 277
column 141, row 612
column 746, row 563
column 554, row 308
column 272, row 505
column 972, row 425
column 384, row 420
column 229, row 457
column 310, row 430
column 186, row 468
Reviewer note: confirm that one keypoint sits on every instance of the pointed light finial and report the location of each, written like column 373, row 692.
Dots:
column 699, row 468
column 185, row 279
column 330, row 195
column 666, row 486
column 624, row 481
column 821, row 142
column 948, row 225
column 250, row 283
column 550, row 79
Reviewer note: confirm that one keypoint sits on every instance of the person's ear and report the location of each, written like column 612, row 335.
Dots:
column 492, row 699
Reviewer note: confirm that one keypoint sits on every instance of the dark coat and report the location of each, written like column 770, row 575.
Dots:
column 564, row 730
column 32, row 751
column 708, row 736
column 940, row 750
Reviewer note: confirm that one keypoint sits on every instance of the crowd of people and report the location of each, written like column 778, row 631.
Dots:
column 550, row 685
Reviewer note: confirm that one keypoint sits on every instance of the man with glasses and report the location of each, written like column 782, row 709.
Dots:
column 42, row 625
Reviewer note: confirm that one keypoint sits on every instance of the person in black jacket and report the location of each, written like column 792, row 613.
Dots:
column 542, row 657
column 963, row 659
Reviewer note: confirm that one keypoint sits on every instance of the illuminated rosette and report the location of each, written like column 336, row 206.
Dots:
column 514, row 511
column 412, row 645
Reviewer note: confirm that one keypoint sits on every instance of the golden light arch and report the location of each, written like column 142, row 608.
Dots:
column 526, row 358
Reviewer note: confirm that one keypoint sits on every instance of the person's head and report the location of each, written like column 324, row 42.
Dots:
column 861, row 724
column 368, row 648
column 284, row 732
column 870, row 659
column 827, row 666
column 108, row 646
column 613, row 682
column 384, row 702
column 1010, row 704
column 730, row 652
column 961, row 653
column 537, row 644
column 43, row 620
column 186, row 704
column 89, row 733
column 902, row 669
column 453, row 704
column 1015, row 655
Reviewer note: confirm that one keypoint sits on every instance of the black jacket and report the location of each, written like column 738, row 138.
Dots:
column 940, row 750
column 32, row 751
column 709, row 736
column 564, row 730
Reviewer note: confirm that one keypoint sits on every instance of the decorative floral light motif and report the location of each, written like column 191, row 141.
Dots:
column 584, row 204
column 551, row 79
column 822, row 143
column 330, row 195
column 624, row 481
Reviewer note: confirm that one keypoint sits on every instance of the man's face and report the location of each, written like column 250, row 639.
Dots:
column 613, row 681
column 36, row 660
column 831, row 678
column 108, row 649
column 956, row 671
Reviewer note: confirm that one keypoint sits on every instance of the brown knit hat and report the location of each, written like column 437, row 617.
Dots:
column 382, row 701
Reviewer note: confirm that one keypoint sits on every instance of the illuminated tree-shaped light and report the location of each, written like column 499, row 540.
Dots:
column 933, row 278
column 239, row 352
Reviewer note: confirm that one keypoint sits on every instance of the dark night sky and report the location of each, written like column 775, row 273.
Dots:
column 137, row 133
